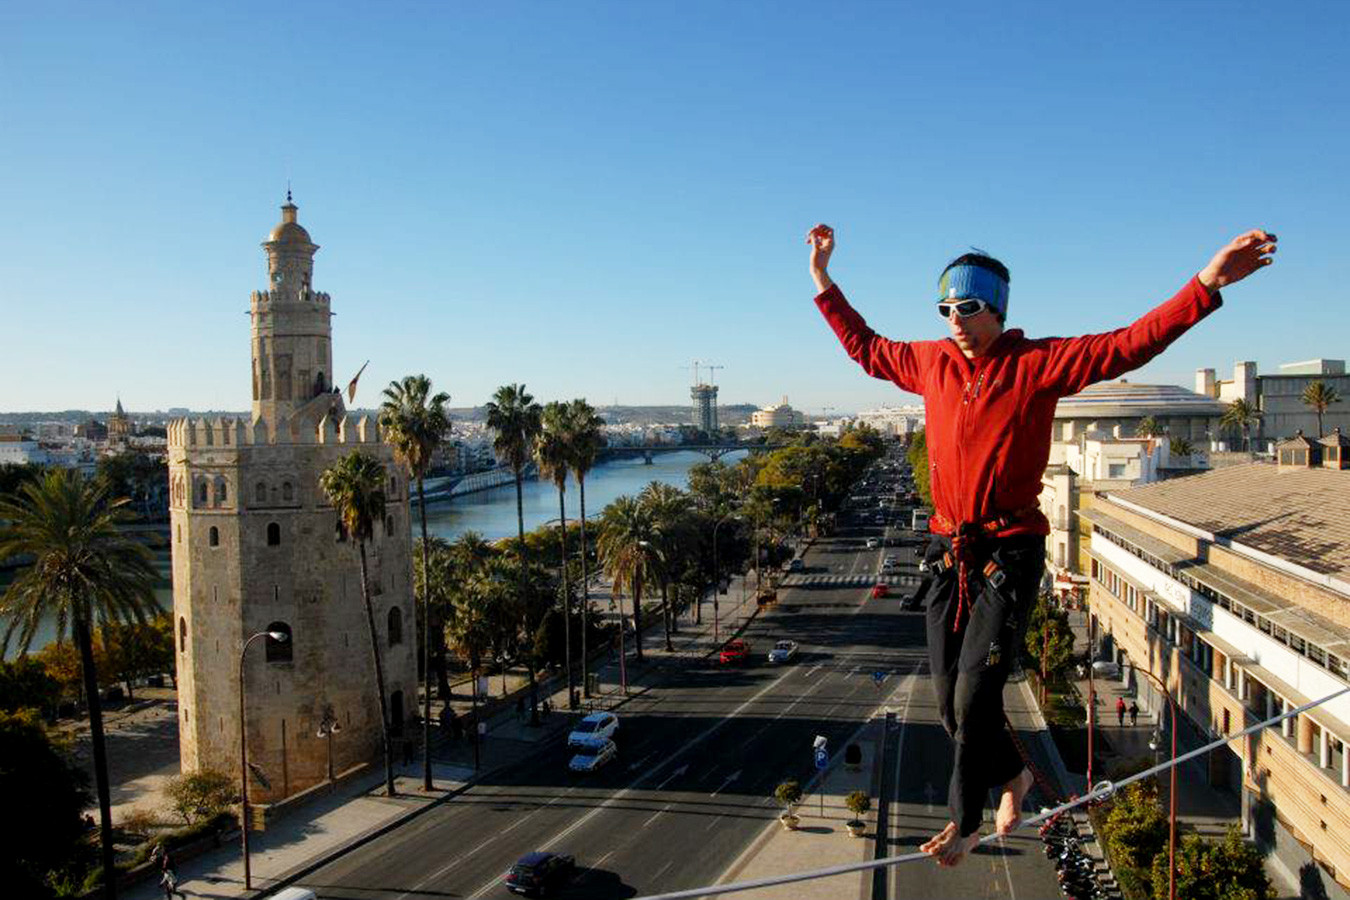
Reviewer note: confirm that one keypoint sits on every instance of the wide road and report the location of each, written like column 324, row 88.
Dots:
column 700, row 754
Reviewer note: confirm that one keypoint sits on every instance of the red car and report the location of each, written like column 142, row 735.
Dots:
column 734, row 652
column 880, row 590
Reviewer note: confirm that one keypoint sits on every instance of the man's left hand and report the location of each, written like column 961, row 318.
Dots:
column 1244, row 255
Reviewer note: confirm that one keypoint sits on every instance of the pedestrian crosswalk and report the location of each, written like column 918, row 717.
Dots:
column 827, row 579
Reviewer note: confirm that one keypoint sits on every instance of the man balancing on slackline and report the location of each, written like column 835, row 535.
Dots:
column 989, row 399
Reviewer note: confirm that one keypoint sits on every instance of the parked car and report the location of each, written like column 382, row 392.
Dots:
column 783, row 651
column 1104, row 668
column 594, row 728
column 539, row 873
column 871, row 543
column 880, row 590
column 590, row 757
column 733, row 652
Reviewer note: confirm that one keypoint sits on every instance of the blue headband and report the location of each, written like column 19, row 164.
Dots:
column 965, row 282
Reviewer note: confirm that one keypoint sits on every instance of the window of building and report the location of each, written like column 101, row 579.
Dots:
column 341, row 531
column 388, row 526
column 1227, row 721
column 213, row 536
column 222, row 492
column 260, row 492
column 1115, row 470
column 287, row 492
column 279, row 651
column 182, row 635
column 393, row 486
column 202, row 494
column 273, row 534
column 395, row 626
column 1263, row 623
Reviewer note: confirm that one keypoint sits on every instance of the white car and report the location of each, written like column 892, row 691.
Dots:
column 783, row 651
column 871, row 543
column 590, row 757
column 594, row 729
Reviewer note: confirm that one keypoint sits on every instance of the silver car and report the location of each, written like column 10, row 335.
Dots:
column 590, row 757
column 783, row 651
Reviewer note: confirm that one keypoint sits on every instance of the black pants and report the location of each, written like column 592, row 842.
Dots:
column 970, row 666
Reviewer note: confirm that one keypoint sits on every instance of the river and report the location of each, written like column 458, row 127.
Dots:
column 492, row 513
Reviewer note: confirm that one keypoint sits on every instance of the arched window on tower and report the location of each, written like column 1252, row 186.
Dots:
column 388, row 526
column 214, row 536
column 279, row 651
column 182, row 635
column 395, row 626
column 222, row 490
column 260, row 492
column 203, row 493
column 287, row 492
column 320, row 384
column 273, row 534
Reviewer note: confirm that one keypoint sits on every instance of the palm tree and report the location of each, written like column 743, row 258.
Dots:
column 83, row 570
column 434, row 577
column 1148, row 427
column 414, row 424
column 1319, row 395
column 469, row 615
column 585, row 439
column 669, row 509
column 553, row 453
column 516, row 419
column 628, row 550
column 355, row 486
column 1239, row 416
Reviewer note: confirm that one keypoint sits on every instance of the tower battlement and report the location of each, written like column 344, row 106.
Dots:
column 231, row 431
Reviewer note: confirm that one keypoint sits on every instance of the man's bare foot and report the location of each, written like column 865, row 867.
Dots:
column 948, row 847
column 1010, row 804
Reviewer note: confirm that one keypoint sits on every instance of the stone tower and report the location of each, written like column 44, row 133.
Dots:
column 256, row 547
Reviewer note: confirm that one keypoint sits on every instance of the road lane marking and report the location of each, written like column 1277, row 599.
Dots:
column 553, row 841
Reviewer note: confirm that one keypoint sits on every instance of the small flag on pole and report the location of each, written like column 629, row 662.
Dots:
column 351, row 385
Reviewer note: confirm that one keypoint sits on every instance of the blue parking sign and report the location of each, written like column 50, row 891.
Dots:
column 822, row 759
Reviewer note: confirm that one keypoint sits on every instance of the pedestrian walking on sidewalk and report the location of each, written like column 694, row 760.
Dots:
column 168, row 873
column 1120, row 711
column 990, row 396
column 1134, row 713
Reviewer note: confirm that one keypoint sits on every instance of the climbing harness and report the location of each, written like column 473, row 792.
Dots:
column 965, row 538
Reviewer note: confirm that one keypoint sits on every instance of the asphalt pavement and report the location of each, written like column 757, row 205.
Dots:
column 700, row 753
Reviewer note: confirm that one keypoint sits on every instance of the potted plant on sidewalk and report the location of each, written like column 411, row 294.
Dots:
column 858, row 803
column 789, row 793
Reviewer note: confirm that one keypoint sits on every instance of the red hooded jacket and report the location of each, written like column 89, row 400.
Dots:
column 989, row 419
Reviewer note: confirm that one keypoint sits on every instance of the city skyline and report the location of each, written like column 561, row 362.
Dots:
column 589, row 200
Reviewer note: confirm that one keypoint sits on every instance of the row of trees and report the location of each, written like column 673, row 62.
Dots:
column 1241, row 416
column 1135, row 832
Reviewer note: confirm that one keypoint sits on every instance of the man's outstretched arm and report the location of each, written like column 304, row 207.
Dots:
column 894, row 361
column 1075, row 363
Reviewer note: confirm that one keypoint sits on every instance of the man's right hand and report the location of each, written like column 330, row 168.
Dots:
column 821, row 239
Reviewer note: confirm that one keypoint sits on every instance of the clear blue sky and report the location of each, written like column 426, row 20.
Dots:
column 586, row 196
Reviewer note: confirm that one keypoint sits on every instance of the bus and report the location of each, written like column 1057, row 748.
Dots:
column 920, row 520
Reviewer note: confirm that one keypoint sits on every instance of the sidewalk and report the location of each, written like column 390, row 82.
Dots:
column 1201, row 808
column 821, row 839
column 356, row 812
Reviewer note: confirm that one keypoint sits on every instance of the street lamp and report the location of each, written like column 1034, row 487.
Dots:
column 327, row 728
column 1172, row 788
column 717, row 573
column 280, row 637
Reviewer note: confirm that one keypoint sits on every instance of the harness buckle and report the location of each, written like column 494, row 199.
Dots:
column 994, row 574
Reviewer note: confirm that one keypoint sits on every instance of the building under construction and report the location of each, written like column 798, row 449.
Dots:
column 705, row 407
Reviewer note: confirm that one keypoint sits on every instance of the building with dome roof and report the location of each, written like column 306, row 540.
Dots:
column 1117, row 407
column 256, row 547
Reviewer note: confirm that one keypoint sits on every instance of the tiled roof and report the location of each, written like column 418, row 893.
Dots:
column 1299, row 515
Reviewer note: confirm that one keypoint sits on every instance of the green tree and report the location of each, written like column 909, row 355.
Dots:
column 47, row 794
column 516, row 420
column 84, row 570
column 1135, row 833
column 1048, row 634
column 586, row 440
column 553, row 455
column 355, row 486
column 25, row 683
column 1180, row 447
column 201, row 795
column 669, row 509
column 61, row 660
column 415, row 424
column 628, row 551
column 1239, row 416
column 917, row 454
column 1319, row 395
column 13, row 476
column 1230, row 869
column 1148, row 427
